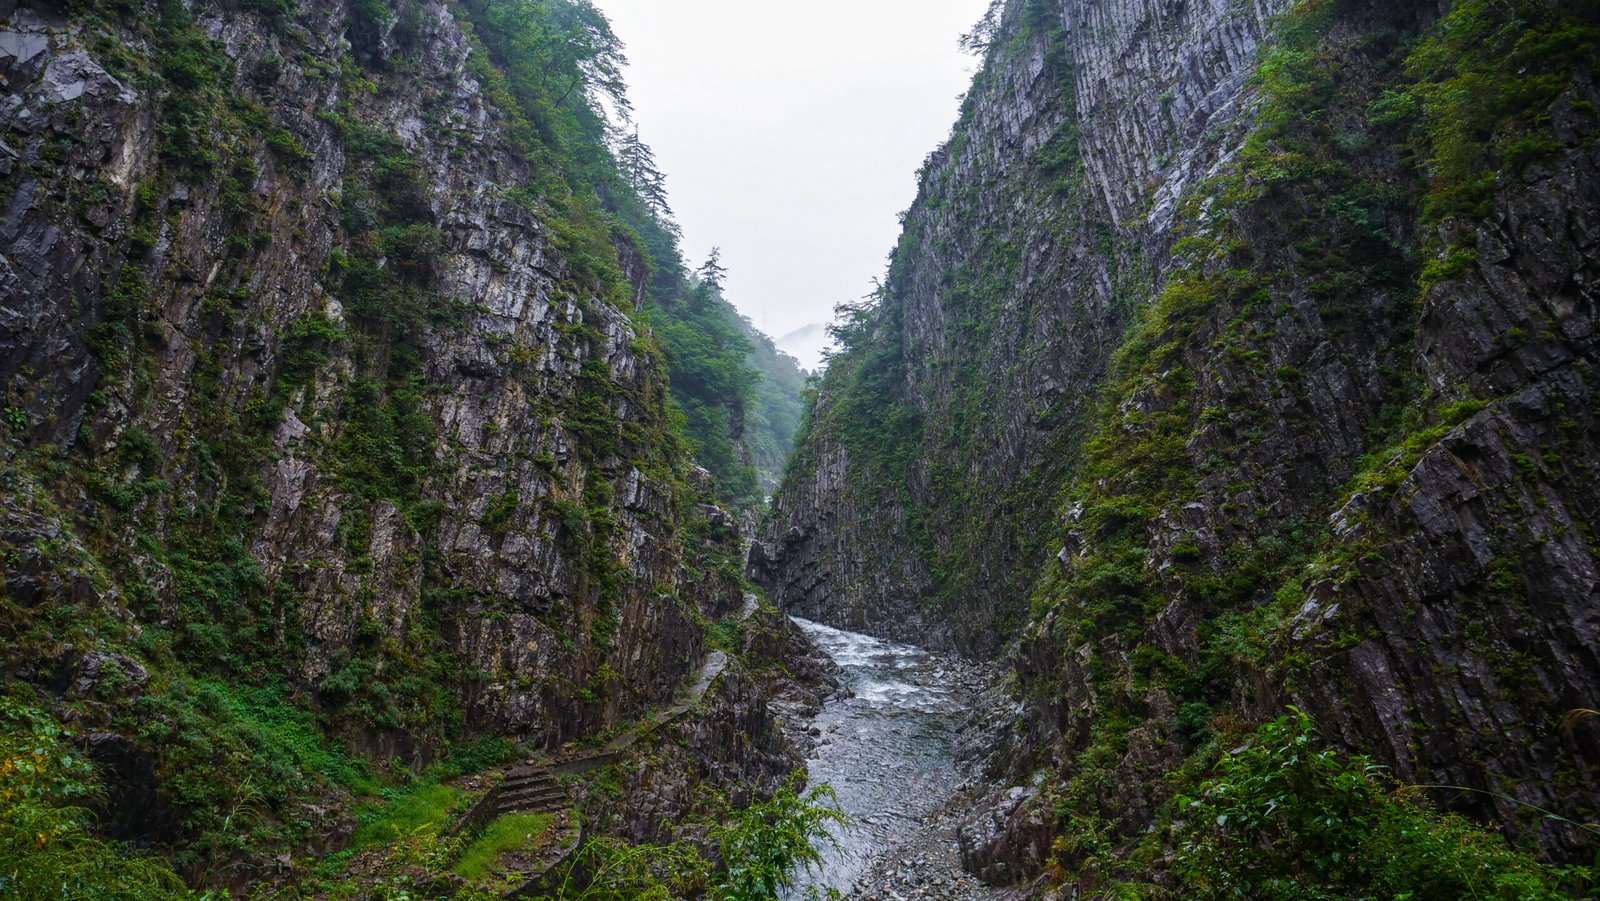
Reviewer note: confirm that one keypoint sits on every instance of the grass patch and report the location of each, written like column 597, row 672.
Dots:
column 516, row 830
column 427, row 804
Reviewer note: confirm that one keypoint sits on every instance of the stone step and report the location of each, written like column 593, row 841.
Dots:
column 549, row 805
column 525, row 777
column 529, row 799
column 527, row 772
column 548, row 786
column 514, row 784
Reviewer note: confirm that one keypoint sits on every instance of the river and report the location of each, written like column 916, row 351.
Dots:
column 887, row 747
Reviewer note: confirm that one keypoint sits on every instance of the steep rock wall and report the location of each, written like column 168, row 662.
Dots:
column 1339, row 458
column 938, row 443
column 313, row 389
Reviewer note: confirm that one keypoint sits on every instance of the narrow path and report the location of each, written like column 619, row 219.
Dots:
column 532, row 787
column 887, row 746
column 711, row 667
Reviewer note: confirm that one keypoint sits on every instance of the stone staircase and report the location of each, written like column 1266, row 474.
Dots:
column 530, row 789
column 525, row 789
column 533, row 787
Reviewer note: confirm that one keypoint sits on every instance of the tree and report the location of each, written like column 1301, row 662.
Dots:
column 977, row 40
column 711, row 272
column 853, row 323
column 766, row 846
column 637, row 163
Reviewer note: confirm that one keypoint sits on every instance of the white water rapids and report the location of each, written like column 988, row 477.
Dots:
column 887, row 749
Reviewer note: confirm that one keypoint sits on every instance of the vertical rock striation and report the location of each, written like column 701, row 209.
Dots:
column 1232, row 360
column 322, row 379
column 1036, row 230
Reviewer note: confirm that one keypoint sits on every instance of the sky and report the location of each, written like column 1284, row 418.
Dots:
column 791, row 133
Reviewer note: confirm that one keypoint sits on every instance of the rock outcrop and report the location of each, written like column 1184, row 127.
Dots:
column 322, row 381
column 1232, row 360
column 1036, row 226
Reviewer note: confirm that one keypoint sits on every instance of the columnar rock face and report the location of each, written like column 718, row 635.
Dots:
column 310, row 381
column 1225, row 364
column 1036, row 229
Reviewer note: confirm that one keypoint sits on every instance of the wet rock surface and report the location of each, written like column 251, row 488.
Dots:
column 886, row 742
column 495, row 484
column 1428, row 587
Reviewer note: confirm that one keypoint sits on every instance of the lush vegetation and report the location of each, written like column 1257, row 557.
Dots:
column 210, row 682
column 773, row 420
column 1288, row 819
column 717, row 357
column 48, row 846
column 404, row 812
column 759, row 852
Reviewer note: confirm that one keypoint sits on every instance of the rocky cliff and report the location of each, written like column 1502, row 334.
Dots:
column 334, row 430
column 1235, row 356
column 965, row 387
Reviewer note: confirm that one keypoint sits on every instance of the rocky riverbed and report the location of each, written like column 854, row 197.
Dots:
column 886, row 742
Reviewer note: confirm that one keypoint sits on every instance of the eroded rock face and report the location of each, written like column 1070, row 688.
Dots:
column 1005, row 299
column 186, row 361
column 736, row 743
column 1424, row 587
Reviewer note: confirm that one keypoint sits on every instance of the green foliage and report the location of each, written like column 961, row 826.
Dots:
column 307, row 344
column 385, row 449
column 1486, row 79
column 762, row 849
column 561, row 62
column 712, row 382
column 726, row 634
column 234, row 762
column 48, row 849
column 404, row 812
column 610, row 869
column 508, row 833
column 427, row 803
column 866, row 377
column 1288, row 818
column 765, row 846
column 773, row 417
column 271, row 12
column 193, row 67
column 500, row 510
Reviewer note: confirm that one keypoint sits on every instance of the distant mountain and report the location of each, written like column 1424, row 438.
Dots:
column 806, row 345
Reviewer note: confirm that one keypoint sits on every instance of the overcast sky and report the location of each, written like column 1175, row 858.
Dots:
column 790, row 133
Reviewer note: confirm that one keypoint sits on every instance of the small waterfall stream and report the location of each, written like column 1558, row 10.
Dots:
column 887, row 747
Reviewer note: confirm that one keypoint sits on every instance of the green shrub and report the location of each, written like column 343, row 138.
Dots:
column 1289, row 819
column 47, row 846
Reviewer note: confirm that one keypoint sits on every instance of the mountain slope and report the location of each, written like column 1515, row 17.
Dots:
column 337, row 439
column 1233, row 360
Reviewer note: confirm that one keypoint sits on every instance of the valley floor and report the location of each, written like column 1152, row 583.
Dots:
column 886, row 742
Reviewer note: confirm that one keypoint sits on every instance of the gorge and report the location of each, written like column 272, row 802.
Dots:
column 383, row 496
